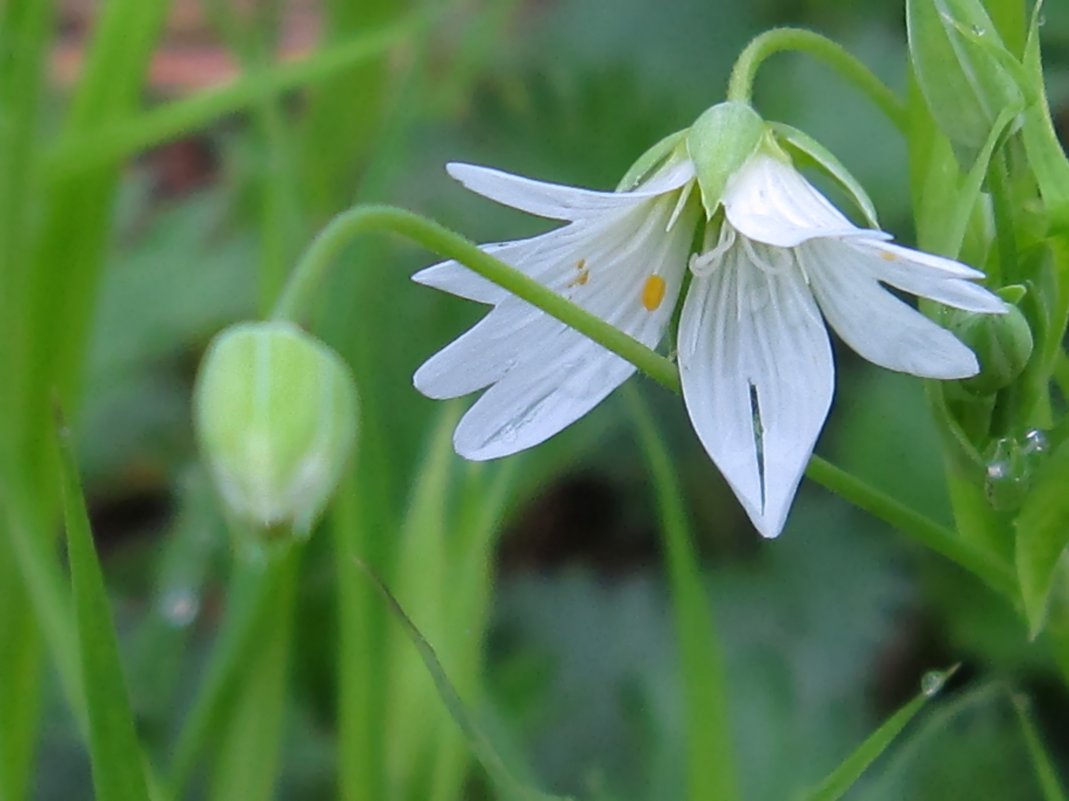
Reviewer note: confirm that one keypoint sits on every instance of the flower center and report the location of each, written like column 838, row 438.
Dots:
column 653, row 291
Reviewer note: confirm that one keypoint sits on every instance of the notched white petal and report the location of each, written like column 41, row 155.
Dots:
column 875, row 323
column 528, row 407
column 757, row 377
column 557, row 201
column 943, row 280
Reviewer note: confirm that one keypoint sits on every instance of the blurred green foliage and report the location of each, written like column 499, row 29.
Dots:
column 826, row 631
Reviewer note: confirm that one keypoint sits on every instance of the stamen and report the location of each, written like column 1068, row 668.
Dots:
column 653, row 291
column 684, row 195
column 704, row 263
column 759, row 261
column 582, row 275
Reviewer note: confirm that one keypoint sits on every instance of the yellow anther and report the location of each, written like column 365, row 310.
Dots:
column 653, row 292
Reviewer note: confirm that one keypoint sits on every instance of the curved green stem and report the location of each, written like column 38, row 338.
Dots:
column 941, row 539
column 362, row 219
column 777, row 40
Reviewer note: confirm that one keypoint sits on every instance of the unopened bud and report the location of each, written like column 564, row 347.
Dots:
column 1002, row 344
column 275, row 417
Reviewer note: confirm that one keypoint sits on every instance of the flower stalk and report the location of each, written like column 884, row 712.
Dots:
column 780, row 40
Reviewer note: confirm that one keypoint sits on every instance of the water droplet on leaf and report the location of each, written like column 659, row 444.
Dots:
column 932, row 682
column 180, row 606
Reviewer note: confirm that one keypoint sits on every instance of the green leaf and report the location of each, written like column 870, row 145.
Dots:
column 710, row 759
column 495, row 767
column 1042, row 534
column 649, row 160
column 965, row 86
column 1046, row 158
column 803, row 143
column 850, row 770
column 114, row 750
column 1046, row 773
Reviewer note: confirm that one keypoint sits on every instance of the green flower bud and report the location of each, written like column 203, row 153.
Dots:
column 1002, row 344
column 719, row 143
column 275, row 416
column 958, row 59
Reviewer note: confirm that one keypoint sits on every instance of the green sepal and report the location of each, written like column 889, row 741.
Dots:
column 719, row 143
column 650, row 160
column 966, row 85
column 803, row 144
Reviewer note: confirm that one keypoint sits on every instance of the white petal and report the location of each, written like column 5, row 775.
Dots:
column 559, row 202
column 927, row 276
column 487, row 351
column 751, row 340
column 545, row 374
column 769, row 201
column 456, row 279
column 529, row 406
column 874, row 322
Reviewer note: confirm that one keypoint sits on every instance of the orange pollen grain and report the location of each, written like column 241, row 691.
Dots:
column 653, row 292
column 580, row 265
column 888, row 256
column 582, row 278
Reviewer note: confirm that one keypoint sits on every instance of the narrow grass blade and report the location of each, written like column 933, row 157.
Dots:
column 246, row 619
column 114, row 750
column 247, row 761
column 1046, row 774
column 850, row 770
column 710, row 758
column 502, row 778
column 122, row 139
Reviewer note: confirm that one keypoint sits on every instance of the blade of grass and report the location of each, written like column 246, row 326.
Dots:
column 114, row 750
column 485, row 494
column 1046, row 773
column 361, row 657
column 710, row 753
column 850, row 769
column 125, row 138
column 420, row 579
column 246, row 623
column 247, row 763
column 25, row 30
column 502, row 778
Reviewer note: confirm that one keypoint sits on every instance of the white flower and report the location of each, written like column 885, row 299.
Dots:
column 754, row 355
column 622, row 256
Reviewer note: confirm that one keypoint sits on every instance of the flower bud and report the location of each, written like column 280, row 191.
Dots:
column 275, row 417
column 719, row 143
column 956, row 53
column 1002, row 344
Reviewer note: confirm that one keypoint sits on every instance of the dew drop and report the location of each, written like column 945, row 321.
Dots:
column 180, row 606
column 1041, row 21
column 1007, row 474
column 932, row 682
column 978, row 31
column 1035, row 442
